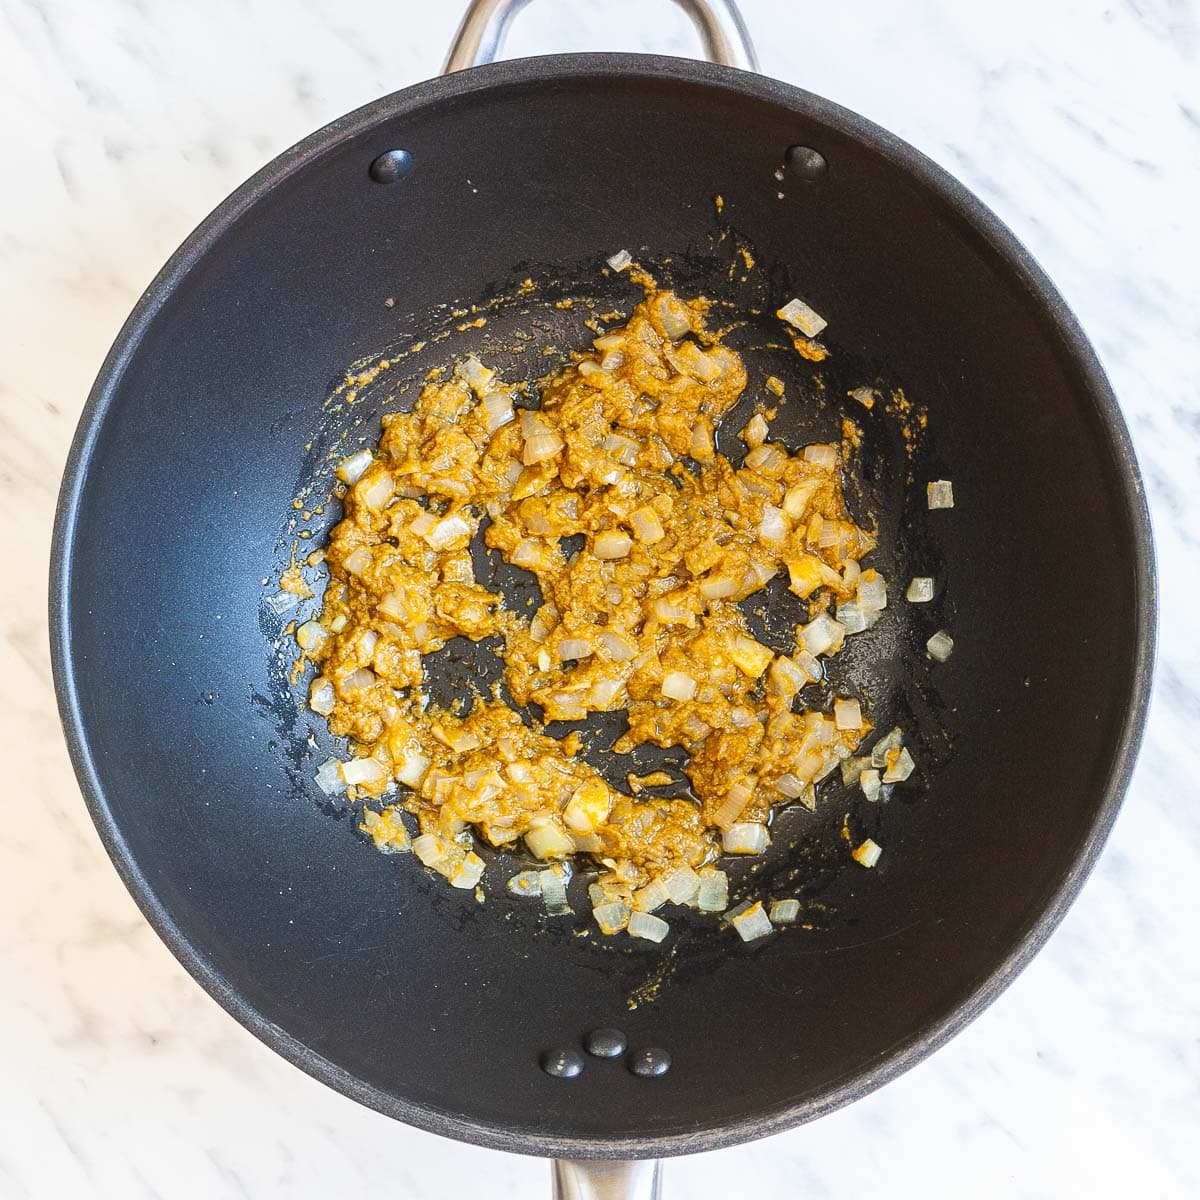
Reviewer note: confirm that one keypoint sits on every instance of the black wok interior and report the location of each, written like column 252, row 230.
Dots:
column 379, row 978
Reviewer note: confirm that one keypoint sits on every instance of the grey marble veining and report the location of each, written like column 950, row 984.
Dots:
column 125, row 121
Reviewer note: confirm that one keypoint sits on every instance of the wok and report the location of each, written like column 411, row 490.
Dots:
column 208, row 417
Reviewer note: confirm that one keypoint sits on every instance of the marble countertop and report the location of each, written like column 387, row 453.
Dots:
column 125, row 121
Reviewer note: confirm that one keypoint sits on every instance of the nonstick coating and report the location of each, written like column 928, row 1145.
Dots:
column 359, row 967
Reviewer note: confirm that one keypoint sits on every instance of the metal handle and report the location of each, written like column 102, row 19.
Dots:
column 606, row 1179
column 481, row 35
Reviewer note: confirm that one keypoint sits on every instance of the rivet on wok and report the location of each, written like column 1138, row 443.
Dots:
column 806, row 163
column 650, row 1062
column 563, row 1063
column 391, row 165
column 605, row 1043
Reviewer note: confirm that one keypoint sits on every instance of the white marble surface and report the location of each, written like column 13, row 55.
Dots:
column 124, row 122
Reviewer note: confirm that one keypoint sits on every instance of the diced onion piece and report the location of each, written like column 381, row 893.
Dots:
column 527, row 553
column 746, row 837
column 358, row 560
column 546, row 840
column 767, row 459
column 618, row 648
column 329, row 777
column 360, row 677
column 890, row 741
column 677, row 685
column 410, row 768
column 612, row 916
column 570, row 648
column 852, row 768
column 351, row 467
column 321, row 697
column 430, row 849
column 940, row 646
column 900, row 766
column 821, row 455
column 475, row 374
column 526, row 883
column 847, row 714
column 646, row 526
column 281, row 602
column 379, row 492
column 940, row 494
column 612, row 543
column 623, row 449
column 751, row 657
column 791, row 786
column 713, row 893
column 363, row 770
column 786, row 677
column 807, row 573
column 311, row 635
column 864, row 395
column 750, row 921
column 447, row 531
column 796, row 312
column 822, row 635
column 756, row 430
column 851, row 615
column 869, row 781
column 920, row 589
column 653, row 895
column 867, row 854
column 588, row 807
column 497, row 411
column 784, row 912
column 702, row 440
column 796, row 500
column 541, row 447
column 717, row 587
column 554, row 891
column 468, row 872
column 773, row 527
column 646, row 925
column 673, row 314
column 727, row 812
column 620, row 260
column 872, row 594
column 682, row 884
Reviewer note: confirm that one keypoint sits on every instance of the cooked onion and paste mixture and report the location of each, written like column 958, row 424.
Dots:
column 644, row 540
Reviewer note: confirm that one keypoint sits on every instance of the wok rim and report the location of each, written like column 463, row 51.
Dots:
column 1052, row 311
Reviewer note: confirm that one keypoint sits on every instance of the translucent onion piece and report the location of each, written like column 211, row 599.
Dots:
column 646, row 526
column 321, row 697
column 526, row 884
column 820, row 455
column 718, row 587
column 570, row 648
column 410, row 769
column 360, row 677
column 620, row 260
column 727, row 812
column 281, row 602
column 900, row 766
column 475, row 374
column 554, row 891
column 940, row 646
column 379, row 492
column 766, row 459
column 358, row 560
column 867, row 854
column 756, row 430
column 750, row 921
column 784, row 912
column 790, row 786
column 447, row 531
column 870, row 783
column 612, row 916
column 865, row 396
column 796, row 500
column 796, row 312
column 612, row 543
column 872, row 594
column 618, row 648
column 751, row 657
column 329, row 777
column 468, row 872
column 588, row 807
column 920, row 590
column 351, row 467
column 646, row 925
column 773, row 527
column 940, row 494
column 822, row 635
column 363, row 770
column 851, row 616
column 547, row 840
column 541, row 448
column 653, row 895
column 713, row 893
column 497, row 411
column 678, row 686
column 847, row 714
column 682, row 884
column 745, row 837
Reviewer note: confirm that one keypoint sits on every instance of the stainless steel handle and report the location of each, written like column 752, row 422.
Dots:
column 481, row 35
column 607, row 1179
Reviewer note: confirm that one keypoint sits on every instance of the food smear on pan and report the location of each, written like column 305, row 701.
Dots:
column 645, row 541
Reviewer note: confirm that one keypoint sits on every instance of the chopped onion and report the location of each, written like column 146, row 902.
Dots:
column 623, row 449
column 796, row 312
column 767, row 459
column 645, row 925
column 528, row 553
column 329, row 777
column 847, row 714
column 773, row 527
column 468, row 872
column 533, row 424
column 547, row 840
column 358, row 560
column 646, row 525
column 360, row 677
column 746, row 837
column 618, row 648
column 851, row 615
column 570, row 648
column 784, row 912
column 554, row 891
column 588, row 807
column 940, row 494
column 351, row 468
column 702, row 440
column 670, row 613
column 920, row 590
column 790, row 786
column 411, row 768
column 751, row 657
column 653, row 895
column 430, row 850
column 821, row 455
column 797, row 498
column 448, row 530
column 612, row 916
column 311, row 635
column 717, row 587
column 900, row 766
column 541, row 448
column 940, row 646
column 727, row 812
column 603, row 693
column 677, row 685
column 620, row 260
column 890, row 741
column 682, row 884
column 379, row 492
column 822, row 635
column 497, row 411
column 872, row 594
column 869, row 781
column 750, row 921
column 475, row 374
column 867, row 854
column 673, row 315
column 713, row 893
column 320, row 697
column 864, row 395
column 281, row 602
column 612, row 543
column 526, row 883
column 786, row 678
column 756, row 430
